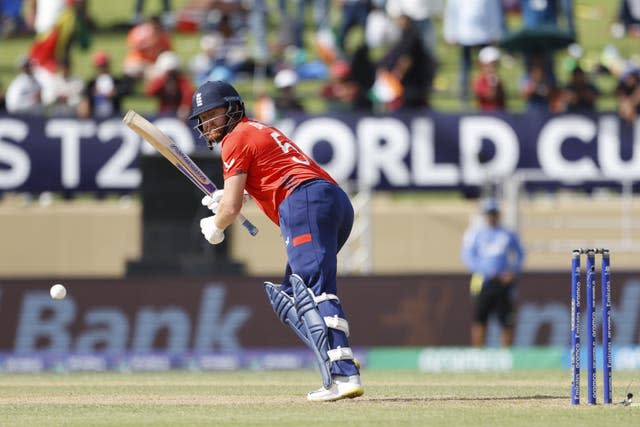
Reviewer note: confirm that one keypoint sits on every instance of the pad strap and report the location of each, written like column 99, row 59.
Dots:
column 340, row 353
column 335, row 322
column 325, row 297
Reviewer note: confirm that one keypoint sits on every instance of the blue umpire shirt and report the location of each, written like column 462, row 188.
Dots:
column 491, row 251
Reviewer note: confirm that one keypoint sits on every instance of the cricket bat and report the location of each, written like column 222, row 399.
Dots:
column 154, row 136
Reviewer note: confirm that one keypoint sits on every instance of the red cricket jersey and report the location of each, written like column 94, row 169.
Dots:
column 273, row 163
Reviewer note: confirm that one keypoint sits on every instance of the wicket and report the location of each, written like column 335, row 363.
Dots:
column 591, row 327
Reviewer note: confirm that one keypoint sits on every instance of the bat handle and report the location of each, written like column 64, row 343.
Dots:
column 252, row 229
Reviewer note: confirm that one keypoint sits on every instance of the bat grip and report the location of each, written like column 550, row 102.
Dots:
column 252, row 229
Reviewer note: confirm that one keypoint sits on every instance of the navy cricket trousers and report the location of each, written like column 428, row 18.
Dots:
column 315, row 221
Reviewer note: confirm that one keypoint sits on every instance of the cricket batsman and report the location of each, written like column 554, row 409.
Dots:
column 315, row 217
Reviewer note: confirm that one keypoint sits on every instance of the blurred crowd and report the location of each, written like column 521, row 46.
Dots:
column 392, row 66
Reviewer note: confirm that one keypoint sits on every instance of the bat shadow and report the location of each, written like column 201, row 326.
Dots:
column 468, row 399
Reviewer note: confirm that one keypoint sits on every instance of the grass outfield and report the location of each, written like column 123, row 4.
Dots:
column 522, row 398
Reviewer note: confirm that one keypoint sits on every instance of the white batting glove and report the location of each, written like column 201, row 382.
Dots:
column 213, row 201
column 213, row 234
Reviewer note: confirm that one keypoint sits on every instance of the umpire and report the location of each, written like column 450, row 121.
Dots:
column 495, row 256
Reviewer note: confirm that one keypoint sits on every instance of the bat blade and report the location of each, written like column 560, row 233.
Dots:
column 170, row 151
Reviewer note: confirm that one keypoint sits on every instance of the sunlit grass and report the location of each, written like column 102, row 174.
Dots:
column 402, row 398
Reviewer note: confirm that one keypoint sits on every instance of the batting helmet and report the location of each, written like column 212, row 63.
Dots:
column 214, row 94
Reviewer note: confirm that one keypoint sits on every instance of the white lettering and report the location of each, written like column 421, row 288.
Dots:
column 86, row 362
column 17, row 160
column 178, row 132
column 424, row 169
column 550, row 141
column 70, row 132
column 379, row 150
column 609, row 150
column 286, row 146
column 473, row 130
column 150, row 362
column 116, row 173
column 338, row 135
column 461, row 360
column 383, row 145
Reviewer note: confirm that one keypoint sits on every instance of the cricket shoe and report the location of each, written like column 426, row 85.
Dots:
column 357, row 363
column 343, row 387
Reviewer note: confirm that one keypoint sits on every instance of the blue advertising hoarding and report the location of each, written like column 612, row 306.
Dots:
column 403, row 151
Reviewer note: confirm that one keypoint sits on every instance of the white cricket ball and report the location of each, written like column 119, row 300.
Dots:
column 58, row 291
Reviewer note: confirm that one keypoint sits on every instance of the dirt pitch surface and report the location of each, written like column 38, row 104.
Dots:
column 532, row 398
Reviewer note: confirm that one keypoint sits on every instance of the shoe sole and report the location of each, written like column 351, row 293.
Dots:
column 351, row 394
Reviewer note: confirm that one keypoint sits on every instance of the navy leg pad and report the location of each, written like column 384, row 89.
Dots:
column 284, row 307
column 316, row 329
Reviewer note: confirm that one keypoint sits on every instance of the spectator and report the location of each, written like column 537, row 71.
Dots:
column 386, row 92
column 580, row 94
column 64, row 94
column 511, row 7
column 363, row 73
column 167, row 17
column 495, row 256
column 538, row 87
column 258, row 14
column 171, row 88
column 471, row 25
column 411, row 64
column 354, row 14
column 545, row 14
column 228, row 52
column 326, row 46
column 286, row 100
column 201, row 64
column 422, row 12
column 57, row 24
column 487, row 87
column 24, row 92
column 103, row 94
column 292, row 25
column 233, row 51
column 628, row 94
column 341, row 90
column 536, row 13
column 41, row 15
column 628, row 19
column 11, row 21
column 380, row 29
column 264, row 108
column 145, row 43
